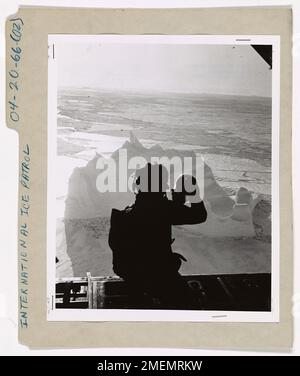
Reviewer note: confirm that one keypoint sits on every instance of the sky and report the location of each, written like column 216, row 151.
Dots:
column 182, row 68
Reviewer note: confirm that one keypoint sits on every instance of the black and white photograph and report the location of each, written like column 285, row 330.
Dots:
column 163, row 178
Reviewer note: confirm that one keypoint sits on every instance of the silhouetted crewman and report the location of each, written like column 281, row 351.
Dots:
column 141, row 237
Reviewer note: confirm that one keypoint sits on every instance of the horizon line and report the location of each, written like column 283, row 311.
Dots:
column 96, row 88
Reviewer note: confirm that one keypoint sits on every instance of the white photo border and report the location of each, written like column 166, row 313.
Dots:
column 54, row 314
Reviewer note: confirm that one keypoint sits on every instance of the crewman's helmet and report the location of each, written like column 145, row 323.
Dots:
column 152, row 178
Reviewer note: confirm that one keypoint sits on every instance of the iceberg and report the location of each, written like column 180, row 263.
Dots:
column 235, row 238
column 227, row 216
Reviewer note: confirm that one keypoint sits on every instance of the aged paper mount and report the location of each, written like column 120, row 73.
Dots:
column 27, row 90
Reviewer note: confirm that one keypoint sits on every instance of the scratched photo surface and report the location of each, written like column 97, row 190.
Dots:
column 210, row 103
